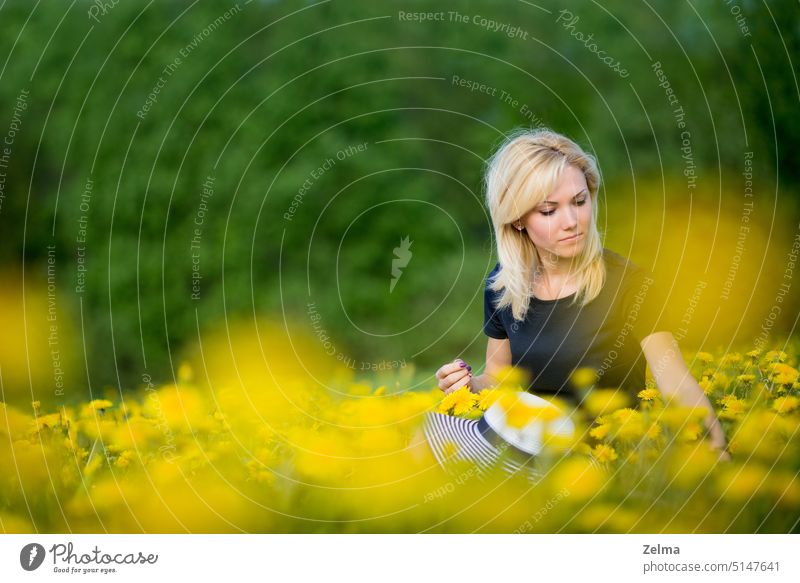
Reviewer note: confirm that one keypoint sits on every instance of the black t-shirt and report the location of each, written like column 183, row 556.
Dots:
column 555, row 337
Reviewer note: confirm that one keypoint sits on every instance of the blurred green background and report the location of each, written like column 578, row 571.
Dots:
column 283, row 150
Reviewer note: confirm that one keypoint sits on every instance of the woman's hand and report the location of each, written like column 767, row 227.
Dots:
column 454, row 375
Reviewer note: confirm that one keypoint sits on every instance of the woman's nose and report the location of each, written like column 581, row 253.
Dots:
column 570, row 219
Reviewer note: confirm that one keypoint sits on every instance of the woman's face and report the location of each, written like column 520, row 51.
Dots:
column 560, row 224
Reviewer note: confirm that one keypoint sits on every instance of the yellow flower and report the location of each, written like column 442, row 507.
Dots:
column 603, row 401
column 474, row 413
column 486, row 397
column 649, row 394
column 704, row 357
column 600, row 431
column 764, row 434
column 124, row 459
column 458, row 402
column 784, row 486
column 379, row 391
column 676, row 418
column 783, row 374
column 691, row 431
column 604, row 453
column 654, row 431
column 785, row 404
column 49, row 421
column 707, row 385
column 754, row 353
column 518, row 414
column 579, row 477
column 584, row 377
column 775, row 355
column 511, row 377
column 733, row 407
column 628, row 424
column 92, row 407
column 690, row 464
column 185, row 373
column 732, row 358
column 746, row 378
column 739, row 484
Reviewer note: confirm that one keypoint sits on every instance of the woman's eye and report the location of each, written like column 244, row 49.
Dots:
column 547, row 213
column 581, row 201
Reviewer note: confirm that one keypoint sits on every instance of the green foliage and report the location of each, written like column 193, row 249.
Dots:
column 271, row 93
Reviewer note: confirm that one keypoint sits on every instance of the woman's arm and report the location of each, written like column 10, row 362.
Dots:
column 675, row 381
column 498, row 356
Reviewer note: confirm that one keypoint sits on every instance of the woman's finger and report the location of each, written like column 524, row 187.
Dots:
column 456, row 366
column 465, row 381
column 455, row 377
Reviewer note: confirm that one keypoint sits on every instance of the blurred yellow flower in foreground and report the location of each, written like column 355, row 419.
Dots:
column 274, row 449
column 602, row 401
column 584, row 377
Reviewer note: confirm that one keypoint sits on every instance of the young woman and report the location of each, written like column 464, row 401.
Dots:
column 557, row 300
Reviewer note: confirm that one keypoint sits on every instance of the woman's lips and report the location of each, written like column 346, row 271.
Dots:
column 573, row 238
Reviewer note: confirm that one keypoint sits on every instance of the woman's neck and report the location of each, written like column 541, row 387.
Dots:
column 556, row 268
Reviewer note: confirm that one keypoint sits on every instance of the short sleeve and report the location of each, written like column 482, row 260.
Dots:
column 492, row 323
column 646, row 310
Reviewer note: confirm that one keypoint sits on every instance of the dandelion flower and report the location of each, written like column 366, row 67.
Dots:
column 604, row 453
column 603, row 401
column 704, row 357
column 486, row 397
column 785, row 404
column 691, row 431
column 511, row 377
column 124, row 459
column 584, row 377
column 775, row 355
column 733, row 407
column 600, row 431
column 629, row 424
column 654, row 431
column 783, row 374
column 732, row 358
column 649, row 394
column 458, row 402
column 91, row 408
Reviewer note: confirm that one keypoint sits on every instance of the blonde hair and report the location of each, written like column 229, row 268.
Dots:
column 519, row 176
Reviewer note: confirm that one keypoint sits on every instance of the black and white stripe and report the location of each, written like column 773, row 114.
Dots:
column 470, row 446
